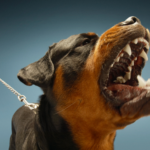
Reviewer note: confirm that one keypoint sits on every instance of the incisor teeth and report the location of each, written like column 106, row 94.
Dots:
column 127, row 49
column 140, row 39
column 120, row 79
column 144, row 55
column 135, row 58
column 141, row 81
column 135, row 41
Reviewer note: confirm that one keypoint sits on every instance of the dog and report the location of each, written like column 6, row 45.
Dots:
column 92, row 87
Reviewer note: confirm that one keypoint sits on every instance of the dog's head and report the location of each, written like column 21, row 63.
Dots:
column 96, row 79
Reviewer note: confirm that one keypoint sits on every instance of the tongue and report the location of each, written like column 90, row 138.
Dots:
column 125, row 92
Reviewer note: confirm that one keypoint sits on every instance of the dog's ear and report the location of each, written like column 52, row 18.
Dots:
column 39, row 72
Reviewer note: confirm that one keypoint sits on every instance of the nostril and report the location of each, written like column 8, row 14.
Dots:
column 130, row 21
column 134, row 19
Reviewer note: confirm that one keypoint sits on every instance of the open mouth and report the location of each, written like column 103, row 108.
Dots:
column 124, row 82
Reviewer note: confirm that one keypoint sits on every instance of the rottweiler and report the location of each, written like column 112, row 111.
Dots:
column 92, row 87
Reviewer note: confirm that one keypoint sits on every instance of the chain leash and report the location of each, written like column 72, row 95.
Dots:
column 21, row 98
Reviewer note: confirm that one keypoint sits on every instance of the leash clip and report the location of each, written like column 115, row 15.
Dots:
column 22, row 98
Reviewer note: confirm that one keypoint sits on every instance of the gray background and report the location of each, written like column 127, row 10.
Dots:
column 28, row 28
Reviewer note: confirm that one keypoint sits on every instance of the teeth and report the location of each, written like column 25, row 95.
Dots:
column 127, row 76
column 130, row 68
column 117, row 59
column 141, row 81
column 141, row 39
column 132, row 63
column 112, row 64
column 120, row 79
column 144, row 55
column 148, row 82
column 147, row 46
column 127, row 49
column 135, row 41
column 146, row 43
column 147, row 31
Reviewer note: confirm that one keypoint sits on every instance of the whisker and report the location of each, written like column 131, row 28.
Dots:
column 66, row 107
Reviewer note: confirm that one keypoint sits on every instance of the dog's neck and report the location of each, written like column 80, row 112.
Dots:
column 52, row 128
column 58, row 136
column 95, row 141
column 90, row 136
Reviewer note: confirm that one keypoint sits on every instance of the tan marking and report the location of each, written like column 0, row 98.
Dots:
column 92, row 121
column 89, row 127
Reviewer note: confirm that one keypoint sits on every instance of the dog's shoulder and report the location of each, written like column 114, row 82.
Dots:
column 23, row 123
column 23, row 116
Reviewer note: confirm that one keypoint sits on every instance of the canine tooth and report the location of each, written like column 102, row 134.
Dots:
column 130, row 68
column 128, row 76
column 135, row 41
column 141, row 81
column 144, row 55
column 132, row 63
column 127, row 49
column 147, row 46
column 148, row 82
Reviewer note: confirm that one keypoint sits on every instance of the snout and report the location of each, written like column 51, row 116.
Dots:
column 130, row 21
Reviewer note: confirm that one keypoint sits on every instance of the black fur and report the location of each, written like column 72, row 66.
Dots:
column 53, row 128
column 43, row 128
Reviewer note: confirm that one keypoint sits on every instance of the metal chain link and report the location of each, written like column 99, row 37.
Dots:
column 21, row 98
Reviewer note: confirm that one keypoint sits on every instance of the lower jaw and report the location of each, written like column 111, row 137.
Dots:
column 137, row 107
column 129, row 100
column 125, row 93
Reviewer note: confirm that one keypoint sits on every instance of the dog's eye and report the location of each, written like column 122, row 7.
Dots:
column 87, row 41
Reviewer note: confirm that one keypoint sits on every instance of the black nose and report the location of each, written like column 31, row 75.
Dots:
column 130, row 21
